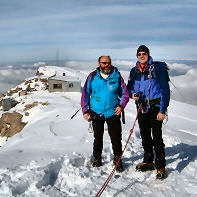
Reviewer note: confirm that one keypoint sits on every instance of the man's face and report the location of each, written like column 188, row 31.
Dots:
column 105, row 65
column 142, row 57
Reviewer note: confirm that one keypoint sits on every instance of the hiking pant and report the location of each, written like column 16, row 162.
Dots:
column 151, row 133
column 114, row 130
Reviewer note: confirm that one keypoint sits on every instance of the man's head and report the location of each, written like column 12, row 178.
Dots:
column 143, row 54
column 104, row 63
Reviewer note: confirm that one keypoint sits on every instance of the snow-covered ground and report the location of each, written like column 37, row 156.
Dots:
column 52, row 155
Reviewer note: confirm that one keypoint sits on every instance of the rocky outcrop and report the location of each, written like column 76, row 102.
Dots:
column 13, row 91
column 11, row 123
column 29, row 106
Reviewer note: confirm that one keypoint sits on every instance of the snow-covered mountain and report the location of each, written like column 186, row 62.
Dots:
column 52, row 155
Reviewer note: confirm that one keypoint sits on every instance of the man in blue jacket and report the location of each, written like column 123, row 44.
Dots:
column 104, row 96
column 148, row 86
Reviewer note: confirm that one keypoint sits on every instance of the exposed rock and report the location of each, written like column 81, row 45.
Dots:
column 29, row 89
column 11, row 92
column 11, row 123
column 36, row 84
column 45, row 103
column 28, row 82
column 23, row 93
column 29, row 106
column 38, row 73
column 8, row 103
column 26, row 113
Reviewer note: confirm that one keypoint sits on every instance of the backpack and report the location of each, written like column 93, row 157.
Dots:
column 152, row 72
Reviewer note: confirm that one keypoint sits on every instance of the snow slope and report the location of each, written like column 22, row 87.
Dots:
column 52, row 155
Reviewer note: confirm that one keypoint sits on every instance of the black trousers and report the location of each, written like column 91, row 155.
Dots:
column 151, row 133
column 114, row 130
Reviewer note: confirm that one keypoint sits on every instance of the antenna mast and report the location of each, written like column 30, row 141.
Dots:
column 57, row 57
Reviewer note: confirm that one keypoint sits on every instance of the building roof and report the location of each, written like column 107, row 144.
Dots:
column 63, row 78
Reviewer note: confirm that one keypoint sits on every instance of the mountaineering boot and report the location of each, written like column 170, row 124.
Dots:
column 120, row 166
column 97, row 162
column 143, row 167
column 161, row 173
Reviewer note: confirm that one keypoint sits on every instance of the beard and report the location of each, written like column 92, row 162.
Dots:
column 105, row 71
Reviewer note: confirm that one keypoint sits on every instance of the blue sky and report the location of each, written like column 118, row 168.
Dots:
column 86, row 29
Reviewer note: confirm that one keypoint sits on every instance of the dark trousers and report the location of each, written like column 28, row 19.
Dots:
column 151, row 133
column 114, row 130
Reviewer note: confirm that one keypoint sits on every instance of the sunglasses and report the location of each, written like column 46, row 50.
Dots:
column 106, row 63
column 139, row 54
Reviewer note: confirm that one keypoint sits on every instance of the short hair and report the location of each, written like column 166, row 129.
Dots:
column 104, row 56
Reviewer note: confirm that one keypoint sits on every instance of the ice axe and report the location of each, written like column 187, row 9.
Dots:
column 75, row 113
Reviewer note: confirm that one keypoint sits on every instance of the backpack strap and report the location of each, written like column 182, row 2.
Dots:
column 152, row 70
column 151, row 73
column 93, row 75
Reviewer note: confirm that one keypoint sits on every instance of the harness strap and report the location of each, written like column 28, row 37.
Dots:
column 144, row 109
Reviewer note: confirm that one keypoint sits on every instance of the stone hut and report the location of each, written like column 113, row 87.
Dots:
column 64, row 84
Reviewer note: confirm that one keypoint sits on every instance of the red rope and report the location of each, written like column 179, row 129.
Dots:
column 115, row 167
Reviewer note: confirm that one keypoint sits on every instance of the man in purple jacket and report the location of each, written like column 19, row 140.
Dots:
column 104, row 96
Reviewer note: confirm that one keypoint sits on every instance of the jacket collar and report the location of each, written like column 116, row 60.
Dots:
column 114, row 69
column 150, row 62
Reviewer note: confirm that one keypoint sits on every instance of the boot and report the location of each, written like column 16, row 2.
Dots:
column 97, row 162
column 120, row 166
column 143, row 167
column 161, row 173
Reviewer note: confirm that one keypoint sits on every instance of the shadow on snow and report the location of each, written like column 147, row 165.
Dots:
column 185, row 153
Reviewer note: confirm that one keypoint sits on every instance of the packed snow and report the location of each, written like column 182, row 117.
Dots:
column 52, row 155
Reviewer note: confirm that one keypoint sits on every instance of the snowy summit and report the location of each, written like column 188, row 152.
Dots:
column 51, row 155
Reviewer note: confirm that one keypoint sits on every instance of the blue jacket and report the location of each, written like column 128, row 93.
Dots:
column 104, row 95
column 154, row 88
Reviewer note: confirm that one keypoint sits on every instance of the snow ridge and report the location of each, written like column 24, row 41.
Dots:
column 52, row 155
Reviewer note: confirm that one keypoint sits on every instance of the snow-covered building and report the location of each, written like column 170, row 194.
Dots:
column 64, row 84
